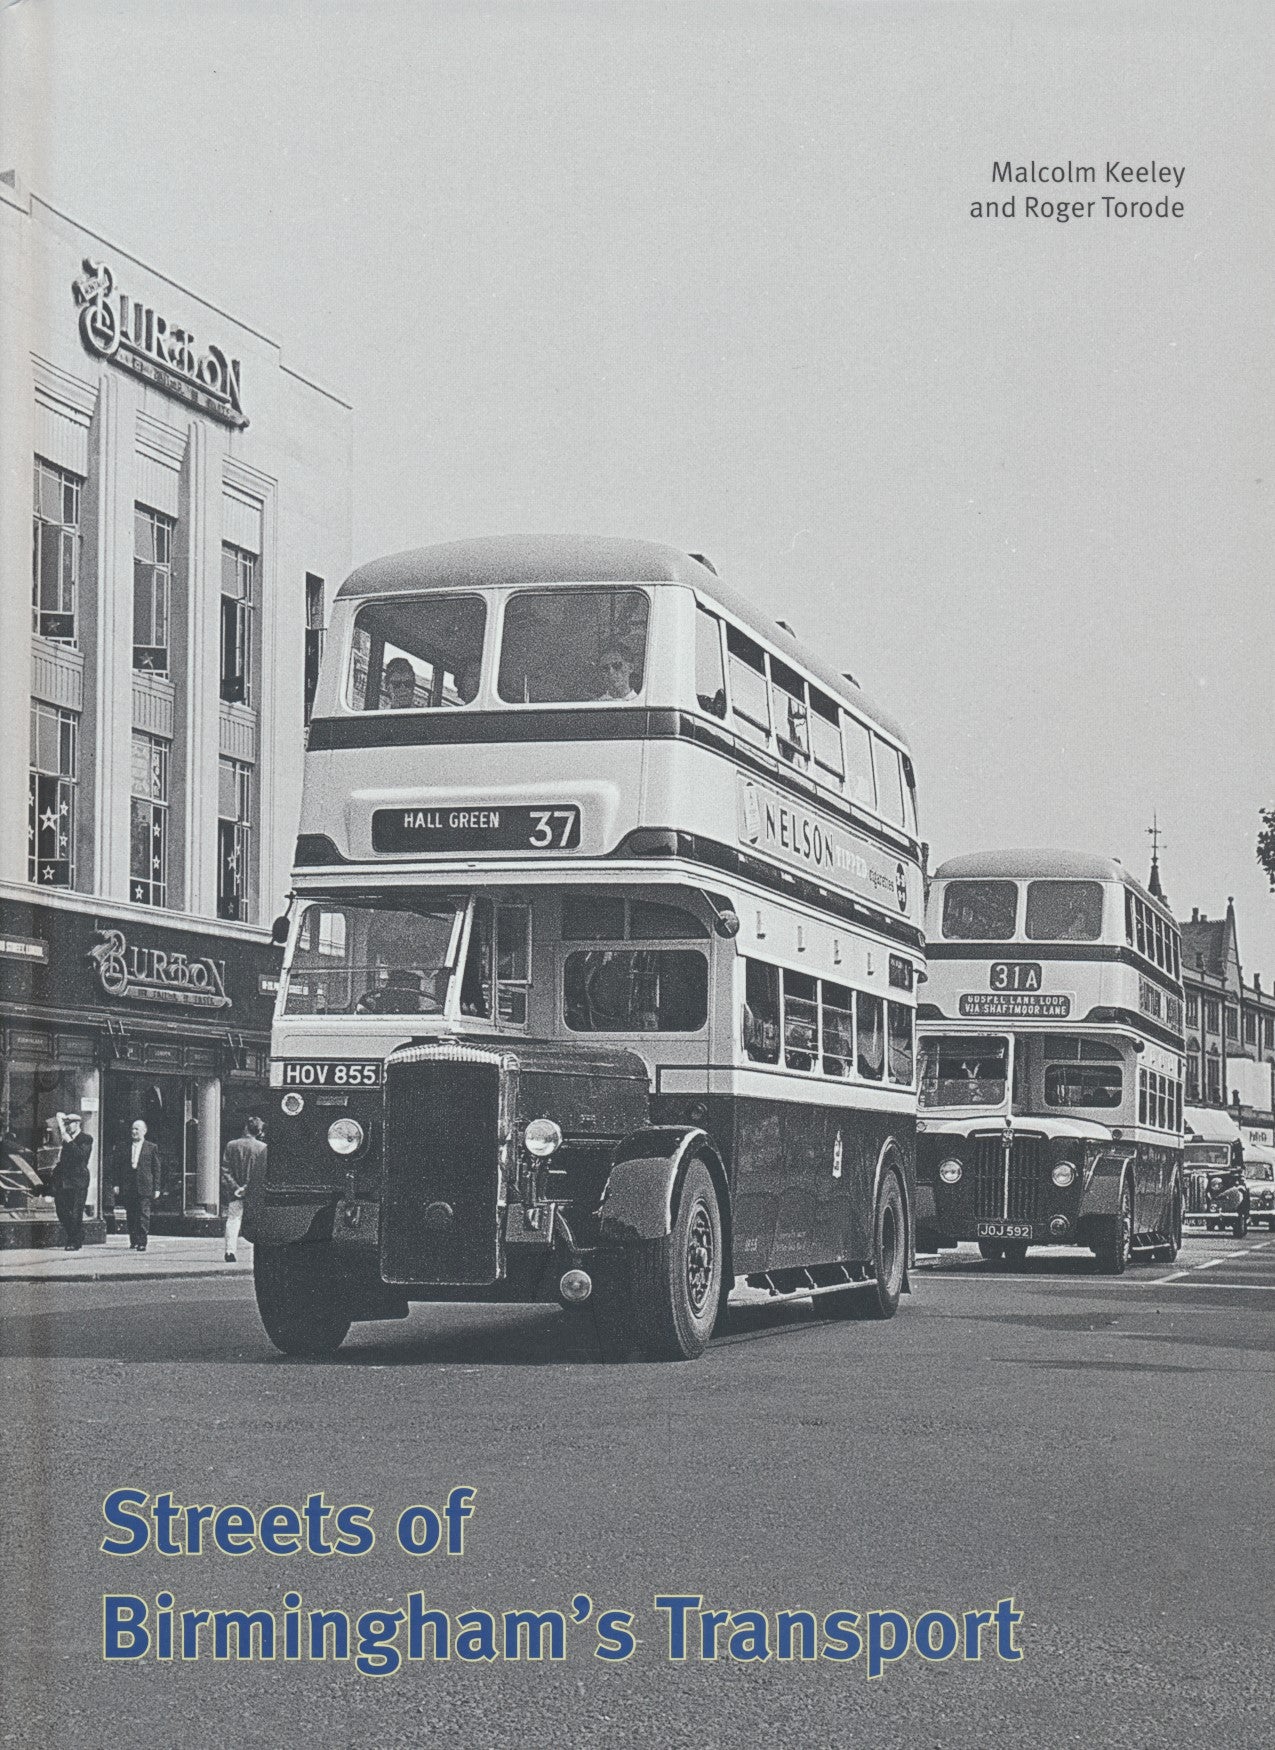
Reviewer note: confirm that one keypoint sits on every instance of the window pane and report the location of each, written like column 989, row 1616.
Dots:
column 980, row 911
column 860, row 783
column 417, row 655
column 964, row 1070
column 710, row 675
column 825, row 733
column 801, row 1020
column 566, row 646
column 889, row 780
column 761, row 1011
column 838, row 1029
column 871, row 1033
column 638, row 990
column 1083, row 1084
column 1064, row 911
column 900, row 1043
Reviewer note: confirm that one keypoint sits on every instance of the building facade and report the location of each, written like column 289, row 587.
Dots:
column 175, row 510
column 1230, row 1026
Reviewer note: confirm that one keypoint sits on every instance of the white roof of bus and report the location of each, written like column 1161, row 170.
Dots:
column 1207, row 1124
column 502, row 561
column 1036, row 865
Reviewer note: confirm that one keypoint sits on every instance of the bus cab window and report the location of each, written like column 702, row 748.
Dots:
column 801, row 1021
column 1064, row 911
column 417, row 655
column 761, row 1011
column 475, row 984
column 569, row 646
column 513, row 963
column 871, row 1032
column 1084, row 1084
column 710, row 672
column 964, row 1070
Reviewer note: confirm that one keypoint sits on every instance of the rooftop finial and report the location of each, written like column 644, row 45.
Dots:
column 1153, row 832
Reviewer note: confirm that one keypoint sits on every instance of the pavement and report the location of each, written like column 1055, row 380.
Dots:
column 165, row 1256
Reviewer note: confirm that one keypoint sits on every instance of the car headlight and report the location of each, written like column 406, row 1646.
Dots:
column 950, row 1171
column 541, row 1137
column 293, row 1105
column 1215, row 1185
column 345, row 1136
column 1064, row 1173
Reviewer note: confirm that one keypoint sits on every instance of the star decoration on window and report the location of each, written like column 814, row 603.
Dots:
column 49, row 820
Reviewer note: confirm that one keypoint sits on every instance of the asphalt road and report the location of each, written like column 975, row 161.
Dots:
column 1097, row 1450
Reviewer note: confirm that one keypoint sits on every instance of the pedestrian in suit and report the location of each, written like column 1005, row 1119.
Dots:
column 241, row 1158
column 135, row 1165
column 71, row 1178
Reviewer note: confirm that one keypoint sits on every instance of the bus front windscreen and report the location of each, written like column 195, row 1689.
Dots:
column 964, row 1070
column 395, row 956
column 565, row 646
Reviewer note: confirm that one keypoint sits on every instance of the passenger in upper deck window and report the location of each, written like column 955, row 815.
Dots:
column 399, row 684
column 617, row 675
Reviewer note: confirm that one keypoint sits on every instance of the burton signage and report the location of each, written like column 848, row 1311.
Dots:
column 134, row 336
column 157, row 975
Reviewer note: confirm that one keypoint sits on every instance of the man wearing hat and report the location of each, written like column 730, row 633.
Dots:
column 71, row 1178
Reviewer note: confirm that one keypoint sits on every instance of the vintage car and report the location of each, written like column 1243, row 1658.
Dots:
column 1216, row 1196
column 1259, row 1171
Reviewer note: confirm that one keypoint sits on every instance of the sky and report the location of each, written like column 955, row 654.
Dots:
column 709, row 273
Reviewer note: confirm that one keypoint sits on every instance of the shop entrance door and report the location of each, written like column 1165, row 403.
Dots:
column 163, row 1101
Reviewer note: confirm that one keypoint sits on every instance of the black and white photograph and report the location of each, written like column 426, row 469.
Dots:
column 637, row 873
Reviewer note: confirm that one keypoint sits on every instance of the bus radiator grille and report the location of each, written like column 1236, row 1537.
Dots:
column 1028, row 1178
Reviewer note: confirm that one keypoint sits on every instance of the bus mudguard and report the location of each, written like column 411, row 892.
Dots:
column 1102, row 1196
column 639, row 1199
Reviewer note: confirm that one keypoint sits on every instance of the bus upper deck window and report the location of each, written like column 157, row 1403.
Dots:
column 566, row 646
column 710, row 671
column 980, row 911
column 417, row 655
column 825, row 736
column 889, row 780
column 749, row 697
column 1064, row 911
column 860, row 784
column 792, row 727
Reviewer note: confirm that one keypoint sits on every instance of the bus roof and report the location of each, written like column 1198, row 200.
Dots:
column 1035, row 865
column 496, row 561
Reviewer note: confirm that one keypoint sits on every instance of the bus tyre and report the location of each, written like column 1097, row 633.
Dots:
column 1113, row 1243
column 879, row 1297
column 301, row 1312
column 992, row 1251
column 675, row 1283
column 1166, row 1253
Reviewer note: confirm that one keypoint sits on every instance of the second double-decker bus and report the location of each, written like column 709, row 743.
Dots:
column 1051, row 1060
column 602, row 966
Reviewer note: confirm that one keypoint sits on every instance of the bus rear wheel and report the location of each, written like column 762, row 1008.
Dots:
column 675, row 1283
column 879, row 1297
column 1113, row 1242
column 1166, row 1253
column 301, row 1312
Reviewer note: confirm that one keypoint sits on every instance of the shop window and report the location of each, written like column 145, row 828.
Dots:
column 55, row 552
column 234, row 839
column 313, row 641
column 53, row 795
column 152, row 588
column 148, row 823
column 710, row 674
column 238, row 602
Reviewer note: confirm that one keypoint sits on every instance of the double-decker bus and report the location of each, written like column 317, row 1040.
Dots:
column 1051, row 1060
column 601, row 975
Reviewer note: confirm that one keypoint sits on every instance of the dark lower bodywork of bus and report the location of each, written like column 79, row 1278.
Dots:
column 442, row 1200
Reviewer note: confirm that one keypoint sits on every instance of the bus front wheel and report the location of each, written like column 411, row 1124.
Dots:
column 1113, row 1243
column 301, row 1313
column 674, row 1285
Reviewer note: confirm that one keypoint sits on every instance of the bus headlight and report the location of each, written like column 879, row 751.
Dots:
column 345, row 1136
column 293, row 1105
column 1064, row 1174
column 950, row 1172
column 541, row 1137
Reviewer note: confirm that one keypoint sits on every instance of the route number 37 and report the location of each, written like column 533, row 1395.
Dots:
column 554, row 829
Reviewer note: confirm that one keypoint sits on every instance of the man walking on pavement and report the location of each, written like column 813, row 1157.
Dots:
column 71, row 1178
column 241, row 1158
column 135, row 1166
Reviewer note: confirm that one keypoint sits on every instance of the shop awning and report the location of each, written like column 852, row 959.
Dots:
column 1207, row 1124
